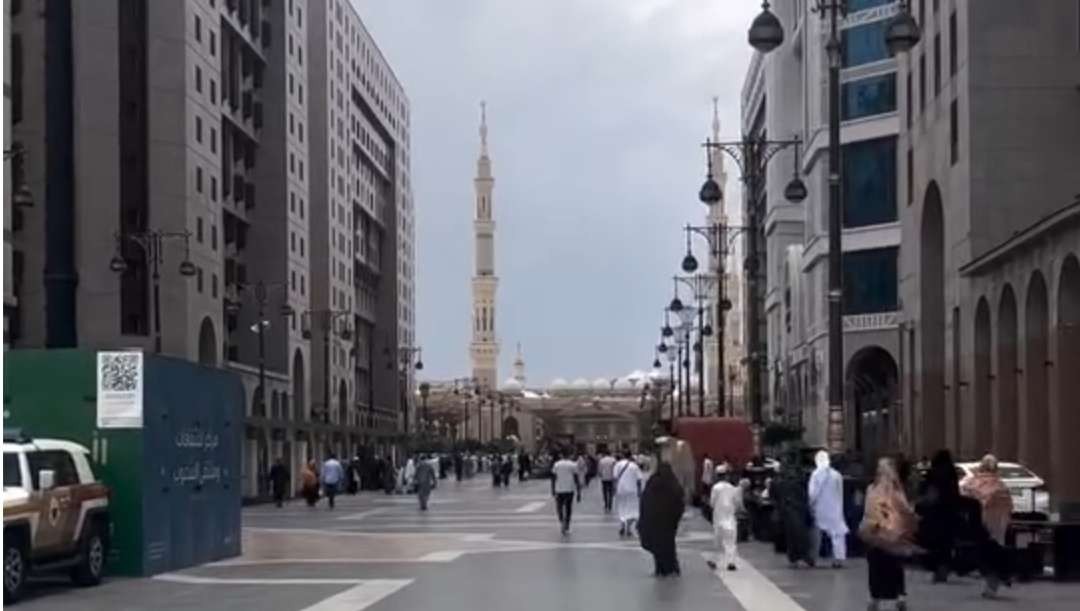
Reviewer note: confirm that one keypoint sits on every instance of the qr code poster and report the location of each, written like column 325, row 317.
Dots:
column 120, row 390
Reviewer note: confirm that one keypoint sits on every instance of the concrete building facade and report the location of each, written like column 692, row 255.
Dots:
column 990, row 278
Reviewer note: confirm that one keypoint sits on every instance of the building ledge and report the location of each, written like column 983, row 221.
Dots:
column 1048, row 225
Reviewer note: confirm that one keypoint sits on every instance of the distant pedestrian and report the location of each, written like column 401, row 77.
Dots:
column 410, row 475
column 888, row 530
column 708, row 471
column 627, row 493
column 662, row 508
column 352, row 476
column 986, row 487
column 333, row 475
column 726, row 501
column 565, row 483
column 459, row 466
column 582, row 470
column 388, row 474
column 507, row 469
column 309, row 483
column 826, row 496
column 523, row 467
column 425, row 481
column 279, row 481
column 606, row 470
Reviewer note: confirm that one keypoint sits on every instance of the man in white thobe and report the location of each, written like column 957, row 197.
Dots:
column 826, row 496
column 726, row 500
column 627, row 493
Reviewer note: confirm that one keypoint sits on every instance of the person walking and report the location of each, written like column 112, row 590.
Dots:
column 309, row 483
column 425, row 481
column 826, row 496
column 939, row 510
column 628, row 493
column 279, row 481
column 662, row 508
column 605, row 468
column 409, row 475
column 333, row 475
column 565, row 482
column 583, row 469
column 888, row 530
column 986, row 487
column 726, row 500
column 708, row 471
column 792, row 506
column 459, row 466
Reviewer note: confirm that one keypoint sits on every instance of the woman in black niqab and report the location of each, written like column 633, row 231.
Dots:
column 662, row 507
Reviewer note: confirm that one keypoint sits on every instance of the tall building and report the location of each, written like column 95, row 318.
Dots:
column 361, row 230
column 484, row 349
column 209, row 137
column 990, row 263
column 10, row 301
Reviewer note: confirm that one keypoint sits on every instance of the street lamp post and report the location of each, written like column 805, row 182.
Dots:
column 425, row 390
column 152, row 244
column 699, row 286
column 766, row 33
column 327, row 324
column 405, row 357
column 261, row 290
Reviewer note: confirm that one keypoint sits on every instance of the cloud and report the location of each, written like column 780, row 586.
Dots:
column 596, row 111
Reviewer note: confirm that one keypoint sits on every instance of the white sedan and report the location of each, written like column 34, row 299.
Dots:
column 1027, row 489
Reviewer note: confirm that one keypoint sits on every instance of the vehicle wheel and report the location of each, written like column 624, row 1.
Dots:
column 91, row 559
column 15, row 568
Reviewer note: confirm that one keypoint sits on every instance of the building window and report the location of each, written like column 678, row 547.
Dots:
column 213, row 237
column 870, row 281
column 301, row 246
column 302, row 285
column 16, row 77
column 198, row 279
column 198, row 129
column 213, row 140
column 198, row 229
column 293, row 280
column 213, row 44
column 198, row 179
column 922, row 83
column 937, row 64
column 869, row 182
column 292, row 84
column 954, row 131
column 953, row 43
column 198, row 29
column 213, row 285
column 198, row 79
column 213, row 92
column 292, row 202
column 301, row 209
column 870, row 96
column 213, row 188
column 292, row 241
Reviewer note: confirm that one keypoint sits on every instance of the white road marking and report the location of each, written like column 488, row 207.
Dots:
column 754, row 591
column 530, row 507
column 443, row 556
column 369, row 560
column 364, row 514
column 248, row 581
column 360, row 597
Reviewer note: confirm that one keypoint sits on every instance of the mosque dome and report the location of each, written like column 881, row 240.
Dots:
column 580, row 384
column 558, row 384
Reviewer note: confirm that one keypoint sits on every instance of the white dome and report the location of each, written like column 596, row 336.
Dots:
column 601, row 384
column 511, row 384
column 657, row 374
column 580, row 384
column 635, row 377
column 558, row 384
column 623, row 384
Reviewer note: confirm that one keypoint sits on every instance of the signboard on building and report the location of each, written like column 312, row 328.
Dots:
column 120, row 390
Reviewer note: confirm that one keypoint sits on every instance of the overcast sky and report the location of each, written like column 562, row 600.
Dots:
column 596, row 109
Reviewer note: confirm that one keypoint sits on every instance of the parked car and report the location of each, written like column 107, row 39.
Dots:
column 56, row 513
column 1028, row 490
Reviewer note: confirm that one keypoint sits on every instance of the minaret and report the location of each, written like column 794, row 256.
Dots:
column 717, row 215
column 519, row 367
column 484, row 348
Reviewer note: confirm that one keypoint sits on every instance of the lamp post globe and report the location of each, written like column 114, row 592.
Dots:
column 667, row 331
column 902, row 33
column 656, row 363
column 676, row 305
column 662, row 348
column 765, row 33
column 118, row 265
column 23, row 198
column 710, row 193
column 689, row 263
column 707, row 331
column 187, row 268
column 795, row 191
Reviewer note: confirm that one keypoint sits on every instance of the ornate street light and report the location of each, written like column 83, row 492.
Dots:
column 766, row 33
column 903, row 32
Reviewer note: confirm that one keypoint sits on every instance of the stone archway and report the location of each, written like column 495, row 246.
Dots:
column 299, row 394
column 931, row 431
column 982, row 410
column 872, row 376
column 1067, row 364
column 510, row 426
column 1035, row 418
column 207, row 343
column 1006, row 409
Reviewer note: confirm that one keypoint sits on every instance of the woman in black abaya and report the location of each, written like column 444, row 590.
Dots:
column 662, row 507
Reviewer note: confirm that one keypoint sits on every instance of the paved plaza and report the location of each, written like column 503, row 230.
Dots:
column 479, row 548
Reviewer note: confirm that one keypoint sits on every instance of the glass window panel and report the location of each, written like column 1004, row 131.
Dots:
column 865, row 43
column 870, row 281
column 866, row 97
column 869, row 182
column 858, row 5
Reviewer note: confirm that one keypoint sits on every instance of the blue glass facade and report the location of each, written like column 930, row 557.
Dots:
column 869, row 182
column 859, row 5
column 865, row 43
column 870, row 96
column 870, row 281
